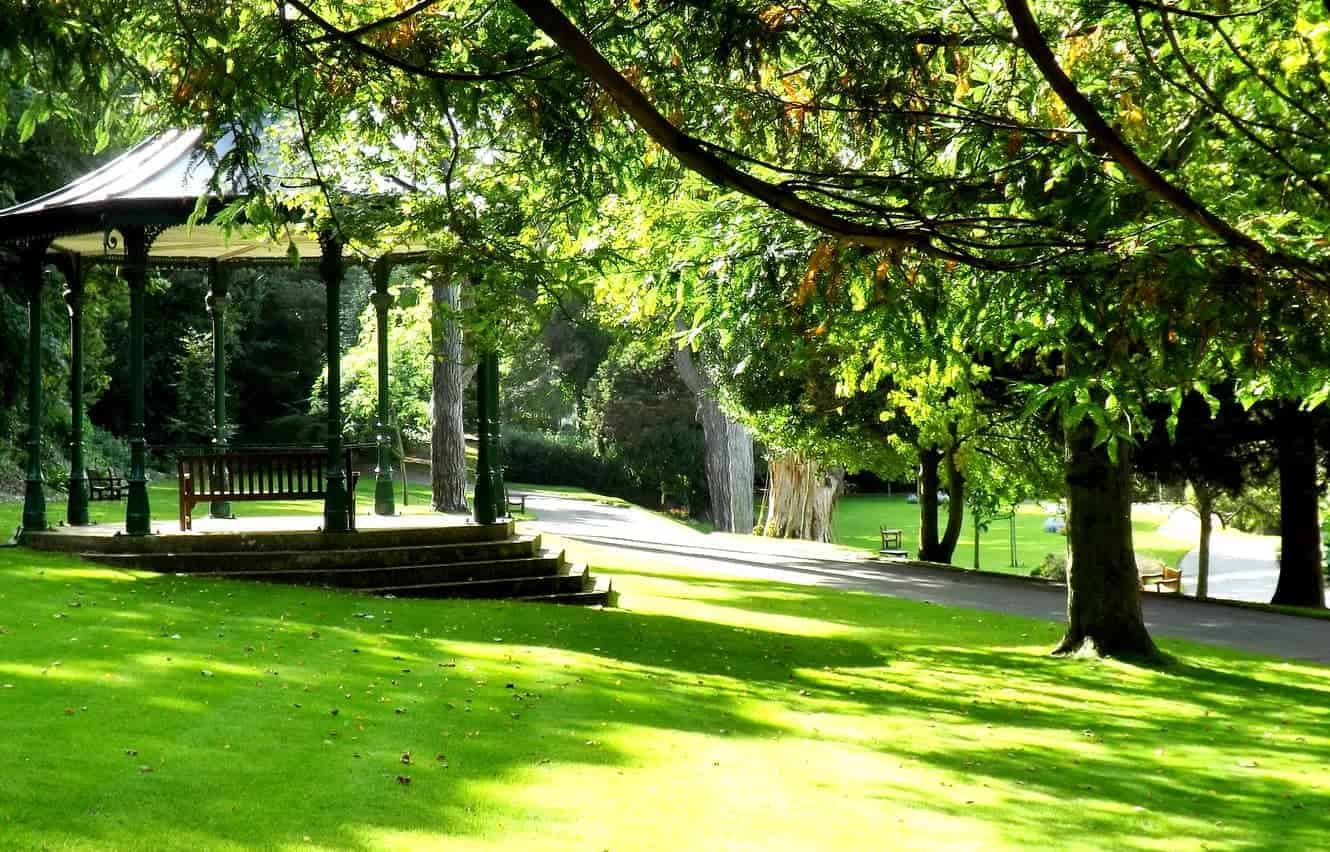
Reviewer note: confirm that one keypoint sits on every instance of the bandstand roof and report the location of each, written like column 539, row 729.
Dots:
column 156, row 183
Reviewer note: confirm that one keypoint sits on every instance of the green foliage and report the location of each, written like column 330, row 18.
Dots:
column 640, row 412
column 563, row 459
column 410, row 378
column 1054, row 567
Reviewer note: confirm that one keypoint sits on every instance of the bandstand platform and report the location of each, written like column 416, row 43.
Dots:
column 417, row 555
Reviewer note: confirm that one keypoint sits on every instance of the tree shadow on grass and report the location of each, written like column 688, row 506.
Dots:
column 278, row 713
column 1239, row 756
column 226, row 692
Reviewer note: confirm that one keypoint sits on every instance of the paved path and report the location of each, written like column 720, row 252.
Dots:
column 1242, row 567
column 844, row 568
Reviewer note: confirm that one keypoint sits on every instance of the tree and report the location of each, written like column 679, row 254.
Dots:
column 943, row 167
column 729, row 448
column 450, row 376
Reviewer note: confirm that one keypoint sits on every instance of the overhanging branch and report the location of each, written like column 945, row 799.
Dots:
column 1036, row 47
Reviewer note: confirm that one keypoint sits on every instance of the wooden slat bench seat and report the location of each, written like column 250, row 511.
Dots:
column 891, row 543
column 1165, row 580
column 105, row 484
column 517, row 501
column 297, row 474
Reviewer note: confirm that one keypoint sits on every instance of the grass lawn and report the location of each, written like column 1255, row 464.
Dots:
column 159, row 712
column 858, row 518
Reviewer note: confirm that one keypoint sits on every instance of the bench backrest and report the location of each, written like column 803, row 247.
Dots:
column 292, row 474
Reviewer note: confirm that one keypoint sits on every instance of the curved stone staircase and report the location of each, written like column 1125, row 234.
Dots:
column 463, row 561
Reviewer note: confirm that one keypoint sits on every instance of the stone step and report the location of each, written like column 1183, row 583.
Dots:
column 571, row 580
column 548, row 562
column 596, row 591
column 333, row 559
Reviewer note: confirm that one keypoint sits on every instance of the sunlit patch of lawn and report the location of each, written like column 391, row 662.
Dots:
column 158, row 712
column 859, row 517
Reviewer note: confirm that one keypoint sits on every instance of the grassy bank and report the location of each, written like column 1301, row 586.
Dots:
column 858, row 518
column 155, row 712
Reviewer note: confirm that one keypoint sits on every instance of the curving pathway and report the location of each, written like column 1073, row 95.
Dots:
column 806, row 563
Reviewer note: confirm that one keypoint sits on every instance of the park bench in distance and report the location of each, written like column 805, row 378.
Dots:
column 105, row 485
column 891, row 543
column 298, row 474
column 1165, row 580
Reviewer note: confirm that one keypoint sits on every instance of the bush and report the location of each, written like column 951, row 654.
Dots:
column 1053, row 567
column 656, row 477
column 542, row 459
column 641, row 416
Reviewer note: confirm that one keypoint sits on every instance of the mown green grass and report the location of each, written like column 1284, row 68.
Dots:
column 859, row 517
column 157, row 712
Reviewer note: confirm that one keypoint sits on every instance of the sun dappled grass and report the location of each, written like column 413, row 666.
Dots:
column 859, row 517
column 144, row 711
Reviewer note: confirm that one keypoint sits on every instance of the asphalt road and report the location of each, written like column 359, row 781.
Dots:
column 830, row 566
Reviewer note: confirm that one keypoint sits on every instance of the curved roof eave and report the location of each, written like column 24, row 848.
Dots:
column 157, row 182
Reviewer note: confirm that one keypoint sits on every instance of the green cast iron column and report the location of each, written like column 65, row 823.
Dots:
column 496, row 438
column 335, row 501
column 483, row 500
column 216, row 303
column 76, row 514
column 383, row 473
column 138, row 514
column 34, row 491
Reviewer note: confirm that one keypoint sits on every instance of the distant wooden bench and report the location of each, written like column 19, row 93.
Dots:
column 105, row 485
column 891, row 543
column 1165, row 580
column 277, row 475
column 517, row 501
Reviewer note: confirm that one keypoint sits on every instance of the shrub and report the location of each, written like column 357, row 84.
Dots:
column 1053, row 567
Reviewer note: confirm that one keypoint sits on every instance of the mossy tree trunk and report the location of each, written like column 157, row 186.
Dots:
column 1103, row 587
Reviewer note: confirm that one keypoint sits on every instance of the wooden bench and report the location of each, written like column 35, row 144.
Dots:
column 1165, row 580
column 891, row 543
column 105, row 485
column 517, row 501
column 299, row 474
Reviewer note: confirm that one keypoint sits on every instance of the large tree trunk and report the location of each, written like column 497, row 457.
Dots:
column 930, row 549
column 729, row 452
column 1205, row 505
column 450, row 374
column 1103, row 587
column 933, row 548
column 1300, row 582
column 801, row 497
column 955, row 508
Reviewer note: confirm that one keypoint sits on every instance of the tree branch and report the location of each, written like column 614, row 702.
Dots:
column 349, row 39
column 1034, row 44
column 693, row 155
